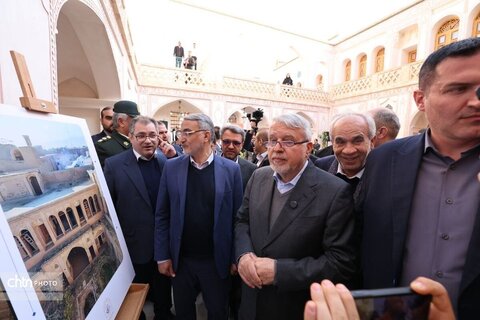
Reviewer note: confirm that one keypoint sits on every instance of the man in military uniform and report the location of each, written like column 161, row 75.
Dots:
column 123, row 113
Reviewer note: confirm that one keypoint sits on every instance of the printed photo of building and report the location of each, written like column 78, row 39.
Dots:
column 57, row 214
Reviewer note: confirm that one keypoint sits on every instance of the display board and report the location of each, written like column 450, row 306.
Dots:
column 63, row 252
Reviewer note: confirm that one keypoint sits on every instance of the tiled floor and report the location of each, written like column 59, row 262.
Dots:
column 201, row 311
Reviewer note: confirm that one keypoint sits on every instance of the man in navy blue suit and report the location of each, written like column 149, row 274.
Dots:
column 133, row 177
column 198, row 197
column 421, row 204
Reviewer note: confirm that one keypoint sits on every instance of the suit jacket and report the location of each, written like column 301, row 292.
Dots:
column 169, row 218
column 111, row 145
column 328, row 163
column 98, row 136
column 387, row 193
column 132, row 204
column 311, row 240
column 265, row 162
column 246, row 168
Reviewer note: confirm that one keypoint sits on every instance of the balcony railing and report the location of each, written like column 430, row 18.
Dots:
column 196, row 81
column 191, row 80
column 394, row 78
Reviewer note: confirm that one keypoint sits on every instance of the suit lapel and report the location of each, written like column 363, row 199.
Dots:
column 130, row 166
column 333, row 167
column 182, row 174
column 471, row 269
column 219, row 174
column 262, row 213
column 405, row 165
column 301, row 196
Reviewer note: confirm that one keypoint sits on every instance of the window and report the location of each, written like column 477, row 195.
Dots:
column 87, row 208
column 447, row 33
column 348, row 70
column 28, row 242
column 81, row 216
column 92, row 205
column 22, row 250
column 379, row 60
column 63, row 219
column 45, row 235
column 97, row 204
column 71, row 217
column 476, row 26
column 412, row 56
column 362, row 68
column 56, row 226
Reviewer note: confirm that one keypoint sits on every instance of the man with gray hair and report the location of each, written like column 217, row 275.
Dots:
column 353, row 136
column 295, row 226
column 198, row 197
column 386, row 123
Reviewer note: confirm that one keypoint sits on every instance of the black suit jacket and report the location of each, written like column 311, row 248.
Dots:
column 388, row 187
column 246, row 169
column 329, row 164
column 311, row 240
column 132, row 204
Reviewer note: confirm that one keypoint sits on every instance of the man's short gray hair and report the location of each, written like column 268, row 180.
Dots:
column 384, row 117
column 233, row 128
column 372, row 130
column 204, row 123
column 117, row 116
column 295, row 121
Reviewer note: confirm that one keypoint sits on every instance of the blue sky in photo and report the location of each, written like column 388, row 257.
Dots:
column 44, row 132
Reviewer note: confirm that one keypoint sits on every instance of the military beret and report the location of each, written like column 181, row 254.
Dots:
column 127, row 107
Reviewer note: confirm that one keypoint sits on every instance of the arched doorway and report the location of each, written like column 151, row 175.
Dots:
column 78, row 260
column 418, row 123
column 89, row 303
column 87, row 74
column 35, row 185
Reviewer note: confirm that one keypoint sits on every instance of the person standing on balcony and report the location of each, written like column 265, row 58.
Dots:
column 288, row 81
column 179, row 54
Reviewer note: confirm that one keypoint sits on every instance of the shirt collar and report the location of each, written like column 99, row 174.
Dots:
column 357, row 175
column 139, row 156
column 287, row 186
column 235, row 160
column 261, row 156
column 203, row 165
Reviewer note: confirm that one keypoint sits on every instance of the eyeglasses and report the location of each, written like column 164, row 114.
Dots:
column 189, row 133
column 228, row 142
column 283, row 144
column 141, row 137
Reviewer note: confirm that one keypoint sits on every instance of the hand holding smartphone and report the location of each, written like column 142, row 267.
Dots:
column 392, row 303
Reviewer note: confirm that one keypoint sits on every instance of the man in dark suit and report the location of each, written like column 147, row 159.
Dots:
column 421, row 209
column 133, row 177
column 232, row 138
column 260, row 149
column 198, row 197
column 106, row 119
column 295, row 226
column 123, row 113
column 353, row 135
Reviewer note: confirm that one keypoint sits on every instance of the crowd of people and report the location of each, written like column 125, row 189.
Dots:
column 259, row 238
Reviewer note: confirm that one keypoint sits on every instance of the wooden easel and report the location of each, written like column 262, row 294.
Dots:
column 133, row 303
column 29, row 100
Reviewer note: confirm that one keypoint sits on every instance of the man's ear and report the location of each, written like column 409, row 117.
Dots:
column 419, row 97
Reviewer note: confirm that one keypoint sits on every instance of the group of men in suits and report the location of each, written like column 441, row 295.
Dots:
column 417, row 206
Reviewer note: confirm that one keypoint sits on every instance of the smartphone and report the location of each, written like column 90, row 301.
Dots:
column 392, row 303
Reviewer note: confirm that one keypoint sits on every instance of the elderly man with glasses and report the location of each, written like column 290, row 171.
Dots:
column 198, row 197
column 295, row 227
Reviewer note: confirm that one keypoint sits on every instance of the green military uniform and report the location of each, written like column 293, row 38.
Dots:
column 111, row 145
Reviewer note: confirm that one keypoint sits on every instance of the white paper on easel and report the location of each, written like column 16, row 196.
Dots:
column 58, row 225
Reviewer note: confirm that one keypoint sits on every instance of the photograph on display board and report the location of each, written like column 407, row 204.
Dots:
column 59, row 214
